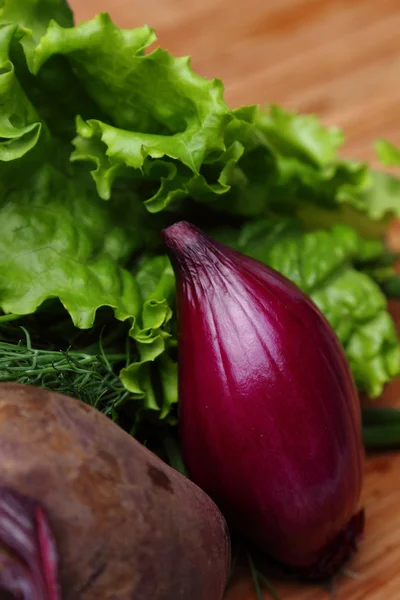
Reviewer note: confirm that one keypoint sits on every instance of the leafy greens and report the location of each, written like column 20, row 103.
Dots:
column 103, row 143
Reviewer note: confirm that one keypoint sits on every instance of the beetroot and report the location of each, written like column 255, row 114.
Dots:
column 125, row 524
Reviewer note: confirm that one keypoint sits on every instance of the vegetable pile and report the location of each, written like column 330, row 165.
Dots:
column 102, row 145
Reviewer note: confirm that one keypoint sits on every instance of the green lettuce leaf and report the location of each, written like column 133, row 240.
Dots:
column 387, row 153
column 163, row 145
column 321, row 188
column 147, row 116
column 55, row 91
column 301, row 136
column 152, row 332
column 43, row 254
column 157, row 105
column 381, row 199
column 34, row 16
column 58, row 240
column 20, row 126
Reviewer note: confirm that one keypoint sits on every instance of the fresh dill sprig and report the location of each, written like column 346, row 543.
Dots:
column 91, row 377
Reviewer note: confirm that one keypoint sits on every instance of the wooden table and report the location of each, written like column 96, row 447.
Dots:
column 337, row 58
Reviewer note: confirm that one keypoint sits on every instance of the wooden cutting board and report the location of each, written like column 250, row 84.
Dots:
column 341, row 60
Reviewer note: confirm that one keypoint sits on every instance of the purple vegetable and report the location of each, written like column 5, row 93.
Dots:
column 269, row 414
column 28, row 553
column 127, row 526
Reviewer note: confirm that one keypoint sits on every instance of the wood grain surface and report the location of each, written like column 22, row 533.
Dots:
column 341, row 60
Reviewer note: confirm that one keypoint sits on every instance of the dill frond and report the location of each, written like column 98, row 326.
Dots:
column 91, row 377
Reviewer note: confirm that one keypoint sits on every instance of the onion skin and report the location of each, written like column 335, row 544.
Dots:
column 270, row 421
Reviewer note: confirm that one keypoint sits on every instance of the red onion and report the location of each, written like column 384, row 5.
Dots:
column 28, row 554
column 269, row 415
